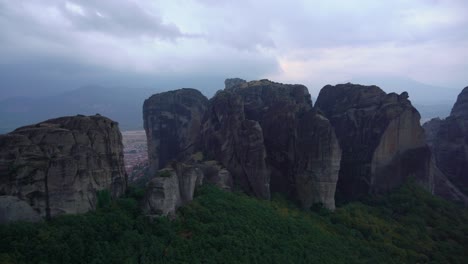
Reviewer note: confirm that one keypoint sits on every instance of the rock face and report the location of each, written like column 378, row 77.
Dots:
column 460, row 107
column 172, row 122
column 271, row 140
column 171, row 188
column 260, row 136
column 380, row 136
column 13, row 209
column 237, row 143
column 214, row 173
column 57, row 166
column 449, row 142
column 229, row 83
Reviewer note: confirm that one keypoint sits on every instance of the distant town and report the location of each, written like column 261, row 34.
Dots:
column 135, row 149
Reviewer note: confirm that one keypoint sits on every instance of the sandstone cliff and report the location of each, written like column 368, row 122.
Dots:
column 58, row 165
column 266, row 135
column 381, row 138
column 237, row 143
column 271, row 140
column 172, row 123
column 448, row 139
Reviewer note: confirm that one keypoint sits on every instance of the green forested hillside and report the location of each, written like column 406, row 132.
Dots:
column 407, row 226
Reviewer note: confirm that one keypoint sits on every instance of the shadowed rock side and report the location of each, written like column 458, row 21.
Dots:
column 57, row 166
column 380, row 136
column 13, row 209
column 172, row 123
column 270, row 139
column 449, row 142
column 227, row 136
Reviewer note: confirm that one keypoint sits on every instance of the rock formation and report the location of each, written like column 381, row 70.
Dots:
column 171, row 188
column 271, row 140
column 260, row 136
column 229, row 83
column 237, row 143
column 215, row 174
column 172, row 123
column 58, row 165
column 13, row 209
column 448, row 139
column 380, row 136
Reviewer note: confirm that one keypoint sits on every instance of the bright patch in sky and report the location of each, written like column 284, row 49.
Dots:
column 74, row 8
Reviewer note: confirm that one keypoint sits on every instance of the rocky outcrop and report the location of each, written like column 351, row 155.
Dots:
column 237, row 143
column 229, row 83
column 449, row 142
column 460, row 107
column 380, row 136
column 260, row 136
column 162, row 196
column 271, row 140
column 215, row 174
column 13, row 209
column 431, row 128
column 172, row 122
column 58, row 165
column 171, row 188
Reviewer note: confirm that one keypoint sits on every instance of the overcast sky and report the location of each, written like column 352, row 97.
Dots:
column 46, row 45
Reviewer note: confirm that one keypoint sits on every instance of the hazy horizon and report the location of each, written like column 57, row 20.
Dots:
column 48, row 47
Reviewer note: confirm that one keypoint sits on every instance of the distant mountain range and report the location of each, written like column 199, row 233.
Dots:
column 123, row 105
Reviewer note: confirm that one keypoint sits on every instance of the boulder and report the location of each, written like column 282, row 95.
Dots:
column 171, row 188
column 172, row 122
column 13, row 209
column 58, row 165
column 381, row 139
column 162, row 196
column 214, row 173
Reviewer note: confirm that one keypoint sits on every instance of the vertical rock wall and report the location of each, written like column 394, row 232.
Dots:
column 57, row 166
column 381, row 138
column 172, row 122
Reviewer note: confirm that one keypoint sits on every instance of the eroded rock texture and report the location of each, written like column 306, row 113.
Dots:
column 171, row 188
column 380, row 136
column 448, row 139
column 172, row 123
column 229, row 83
column 58, row 165
column 271, row 140
column 13, row 209
column 262, row 137
column 214, row 173
column 237, row 143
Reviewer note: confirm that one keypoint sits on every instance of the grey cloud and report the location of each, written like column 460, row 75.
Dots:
column 122, row 18
column 114, row 18
column 327, row 24
column 141, row 42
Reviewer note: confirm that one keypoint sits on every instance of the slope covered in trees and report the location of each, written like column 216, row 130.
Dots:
column 406, row 226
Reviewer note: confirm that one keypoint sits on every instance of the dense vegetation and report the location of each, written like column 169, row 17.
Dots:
column 407, row 226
